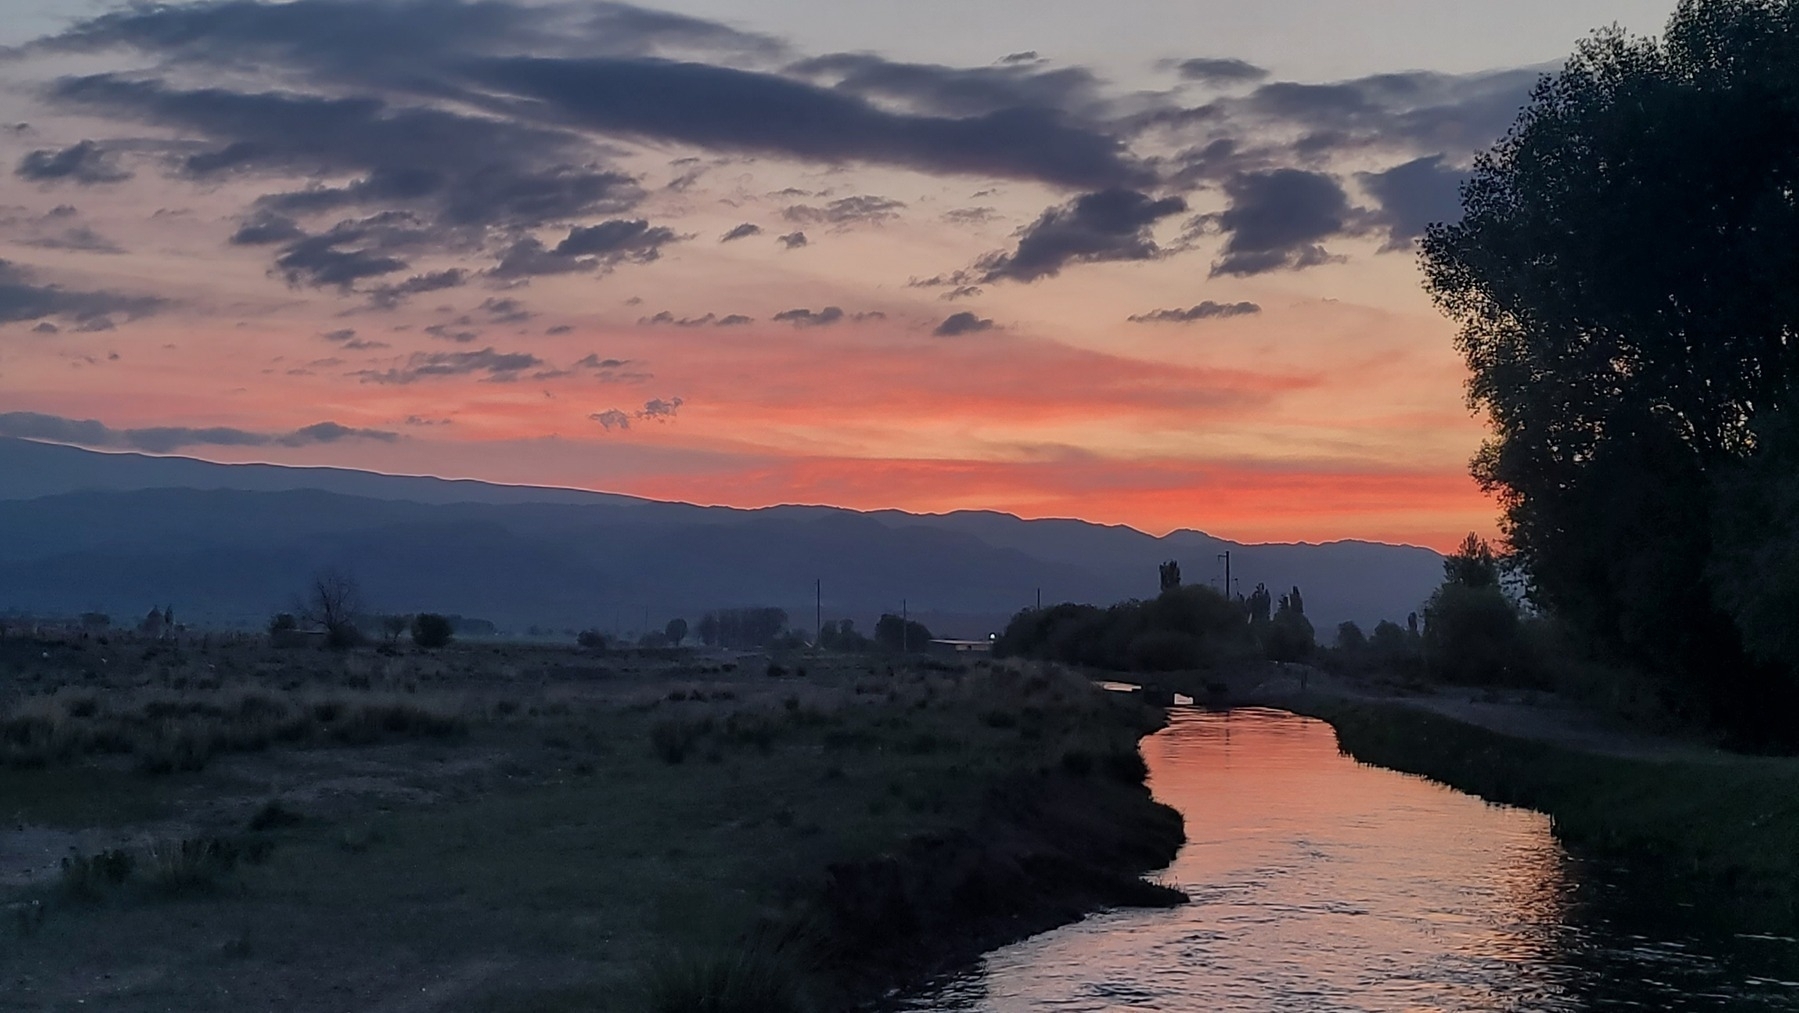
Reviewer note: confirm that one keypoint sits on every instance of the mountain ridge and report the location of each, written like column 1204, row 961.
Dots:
column 233, row 540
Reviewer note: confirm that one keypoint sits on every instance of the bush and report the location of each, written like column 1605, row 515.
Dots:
column 430, row 630
column 86, row 877
column 1288, row 637
column 191, row 866
column 1164, row 651
column 1471, row 635
column 753, row 979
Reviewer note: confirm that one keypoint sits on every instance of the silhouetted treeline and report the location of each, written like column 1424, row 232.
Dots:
column 1623, row 279
column 742, row 628
column 1183, row 628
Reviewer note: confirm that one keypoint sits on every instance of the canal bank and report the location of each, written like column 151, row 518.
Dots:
column 1703, row 823
column 1320, row 883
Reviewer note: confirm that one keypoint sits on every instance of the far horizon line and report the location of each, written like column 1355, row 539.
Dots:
column 180, row 456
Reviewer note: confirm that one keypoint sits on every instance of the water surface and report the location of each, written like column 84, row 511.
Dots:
column 1322, row 884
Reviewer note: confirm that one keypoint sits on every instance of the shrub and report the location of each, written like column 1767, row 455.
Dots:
column 752, row 979
column 191, row 866
column 86, row 877
column 430, row 630
column 673, row 740
column 1471, row 635
column 273, row 816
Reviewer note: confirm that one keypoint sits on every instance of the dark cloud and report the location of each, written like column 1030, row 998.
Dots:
column 825, row 317
column 389, row 296
column 860, row 210
column 1278, row 221
column 1412, row 196
column 451, row 332
column 954, row 91
column 962, row 323
column 352, row 251
column 500, row 367
column 1418, row 111
column 355, row 37
column 793, row 240
column 653, row 410
column 1207, row 310
column 970, row 216
column 1104, row 226
column 725, row 109
column 668, row 319
column 266, row 229
column 85, row 162
column 558, row 329
column 348, row 340
column 587, row 248
column 402, row 146
column 77, row 238
column 161, row 439
column 744, row 231
column 612, row 370
column 506, row 311
column 23, row 298
column 492, row 195
column 1219, row 71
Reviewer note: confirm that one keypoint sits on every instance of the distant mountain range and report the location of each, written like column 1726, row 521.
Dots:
column 229, row 544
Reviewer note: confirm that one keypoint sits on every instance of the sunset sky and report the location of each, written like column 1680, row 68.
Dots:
column 1144, row 262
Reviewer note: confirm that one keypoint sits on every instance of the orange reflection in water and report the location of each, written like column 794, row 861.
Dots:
column 1317, row 884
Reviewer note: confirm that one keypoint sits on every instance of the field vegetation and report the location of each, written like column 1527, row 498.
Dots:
column 215, row 824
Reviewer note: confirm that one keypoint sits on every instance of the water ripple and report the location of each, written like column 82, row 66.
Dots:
column 1319, row 884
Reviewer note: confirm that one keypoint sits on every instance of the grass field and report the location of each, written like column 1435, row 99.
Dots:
column 222, row 826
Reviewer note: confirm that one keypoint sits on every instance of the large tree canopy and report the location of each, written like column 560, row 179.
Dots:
column 1624, row 280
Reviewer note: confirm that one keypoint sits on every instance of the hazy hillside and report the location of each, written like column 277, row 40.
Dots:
column 232, row 543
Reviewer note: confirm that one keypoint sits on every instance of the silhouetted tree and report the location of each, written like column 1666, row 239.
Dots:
column 1472, row 565
column 743, row 628
column 1390, row 638
column 1261, row 605
column 1351, row 638
column 1755, row 566
column 1171, row 576
column 895, row 634
column 332, row 602
column 393, row 627
column 431, row 630
column 675, row 631
column 1623, row 280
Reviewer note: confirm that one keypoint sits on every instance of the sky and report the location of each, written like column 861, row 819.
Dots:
column 1144, row 262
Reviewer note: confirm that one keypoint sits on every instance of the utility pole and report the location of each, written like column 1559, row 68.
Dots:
column 818, row 611
column 1226, row 556
column 1039, row 599
column 905, row 629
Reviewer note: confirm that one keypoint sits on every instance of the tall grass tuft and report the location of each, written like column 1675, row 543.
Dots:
column 191, row 866
column 87, row 877
column 754, row 978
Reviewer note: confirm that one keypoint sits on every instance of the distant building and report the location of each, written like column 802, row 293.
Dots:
column 960, row 648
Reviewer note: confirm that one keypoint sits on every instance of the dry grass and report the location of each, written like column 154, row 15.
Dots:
column 167, row 731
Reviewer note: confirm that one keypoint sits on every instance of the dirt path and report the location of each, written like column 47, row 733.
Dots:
column 1543, row 717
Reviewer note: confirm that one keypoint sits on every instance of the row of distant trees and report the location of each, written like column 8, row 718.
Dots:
column 1181, row 628
column 332, row 607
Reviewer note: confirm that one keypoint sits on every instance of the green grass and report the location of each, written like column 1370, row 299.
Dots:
column 1730, row 823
